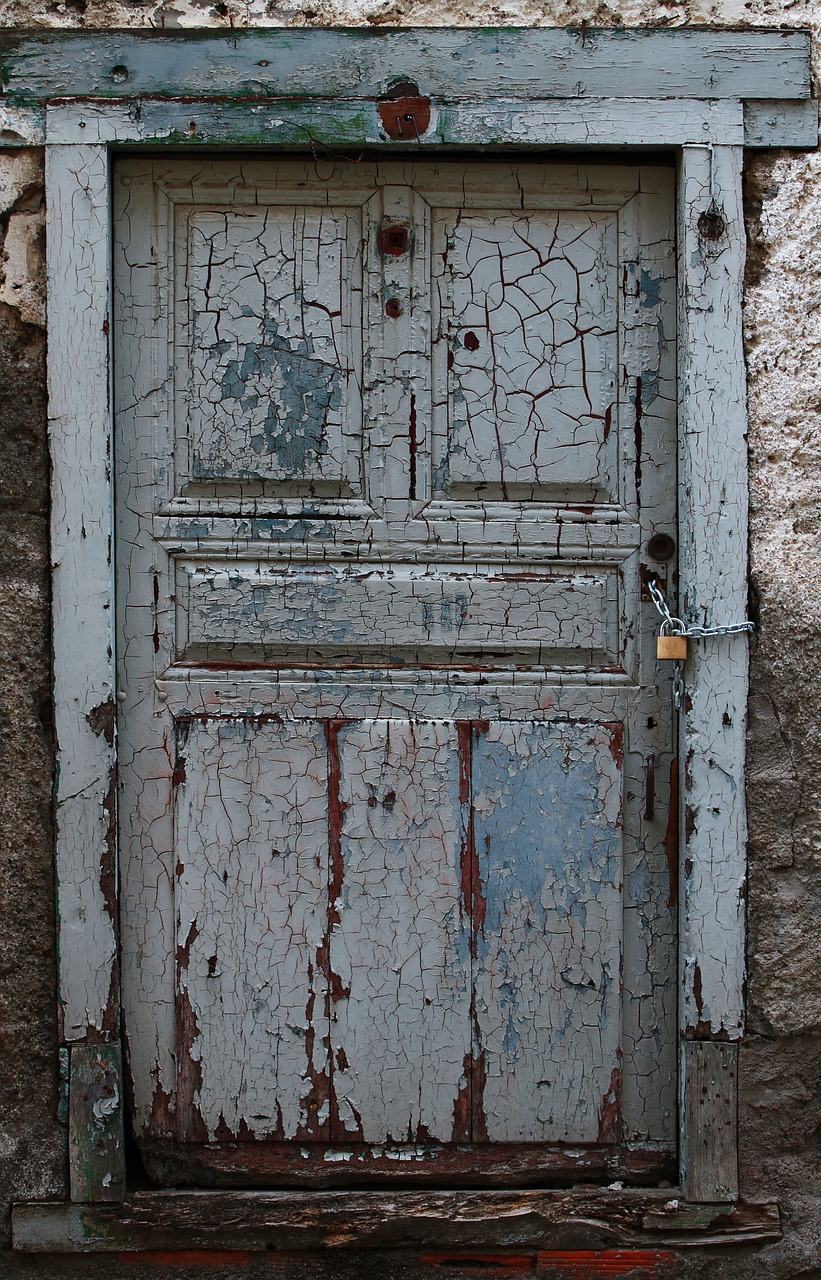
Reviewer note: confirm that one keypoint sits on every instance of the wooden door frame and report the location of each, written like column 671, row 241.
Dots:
column 85, row 95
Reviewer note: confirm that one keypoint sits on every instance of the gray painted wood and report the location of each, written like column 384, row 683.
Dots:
column 581, row 1218
column 387, row 588
column 78, row 265
column 447, row 64
column 711, row 1102
column 780, row 124
column 594, row 121
column 713, row 589
column 96, row 1154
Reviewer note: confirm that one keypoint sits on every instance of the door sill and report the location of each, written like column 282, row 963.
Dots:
column 265, row 1221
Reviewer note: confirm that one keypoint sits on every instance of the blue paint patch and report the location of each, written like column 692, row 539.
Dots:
column 269, row 529
column 649, row 388
column 538, row 822
column 194, row 529
column 301, row 391
column 650, row 289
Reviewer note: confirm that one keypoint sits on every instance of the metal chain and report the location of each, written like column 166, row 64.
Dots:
column 673, row 626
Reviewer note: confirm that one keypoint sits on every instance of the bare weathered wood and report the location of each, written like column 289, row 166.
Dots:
column 95, row 1124
column 711, row 1103
column 81, row 550
column 452, row 64
column 408, row 1164
column 336, row 1220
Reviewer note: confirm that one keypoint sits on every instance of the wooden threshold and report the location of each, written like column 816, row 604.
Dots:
column 586, row 1218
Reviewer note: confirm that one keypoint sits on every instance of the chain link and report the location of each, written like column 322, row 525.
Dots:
column 673, row 626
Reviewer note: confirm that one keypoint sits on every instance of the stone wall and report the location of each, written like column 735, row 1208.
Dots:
column 780, row 1120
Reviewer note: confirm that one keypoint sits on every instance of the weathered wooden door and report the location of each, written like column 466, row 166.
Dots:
column 392, row 440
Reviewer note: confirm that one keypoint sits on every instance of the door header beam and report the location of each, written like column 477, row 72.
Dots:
column 330, row 83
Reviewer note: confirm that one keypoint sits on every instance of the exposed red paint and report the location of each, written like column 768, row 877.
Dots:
column 461, row 1164
column 479, row 1119
column 698, row 995
column 323, row 1081
column 486, row 1262
column 637, row 434
column 163, row 1117
column 471, row 341
column 414, row 447
column 156, row 613
column 461, row 1103
column 608, row 421
column 191, row 1126
column 671, row 836
column 108, row 854
column 405, row 119
column 617, row 744
column 178, row 776
column 610, row 1114
column 393, row 240
column 589, row 1264
column 690, row 812
column 184, row 951
column 224, row 1134
column 320, row 1089
column 186, row 1258
column 102, row 719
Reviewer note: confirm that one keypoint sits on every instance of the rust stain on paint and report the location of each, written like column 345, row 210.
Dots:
column 103, row 719
column 610, row 1126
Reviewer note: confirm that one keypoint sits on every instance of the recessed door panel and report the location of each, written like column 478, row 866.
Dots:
column 527, row 313
column 269, row 347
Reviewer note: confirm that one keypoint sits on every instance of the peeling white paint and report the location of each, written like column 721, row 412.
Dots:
column 353, row 959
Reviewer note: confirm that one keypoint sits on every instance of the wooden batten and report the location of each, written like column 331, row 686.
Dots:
column 711, row 1110
column 455, row 64
column 95, row 1137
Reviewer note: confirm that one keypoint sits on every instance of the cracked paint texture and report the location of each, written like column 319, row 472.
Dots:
column 780, row 1103
column 271, row 386
column 528, row 305
column 383, row 742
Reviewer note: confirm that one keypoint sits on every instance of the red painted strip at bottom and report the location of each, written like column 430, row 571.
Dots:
column 187, row 1258
column 590, row 1264
column 485, row 1262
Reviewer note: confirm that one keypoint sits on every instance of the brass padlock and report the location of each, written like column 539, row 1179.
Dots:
column 671, row 648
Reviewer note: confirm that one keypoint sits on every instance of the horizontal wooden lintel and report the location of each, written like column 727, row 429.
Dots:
column 294, row 1220
column 446, row 63
column 587, row 122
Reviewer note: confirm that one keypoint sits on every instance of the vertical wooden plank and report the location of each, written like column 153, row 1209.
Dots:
column 252, row 906
column 548, row 920
column 78, row 240
column 711, row 1113
column 95, row 1148
column 713, row 587
column 399, row 942
column 396, row 353
column 713, row 591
